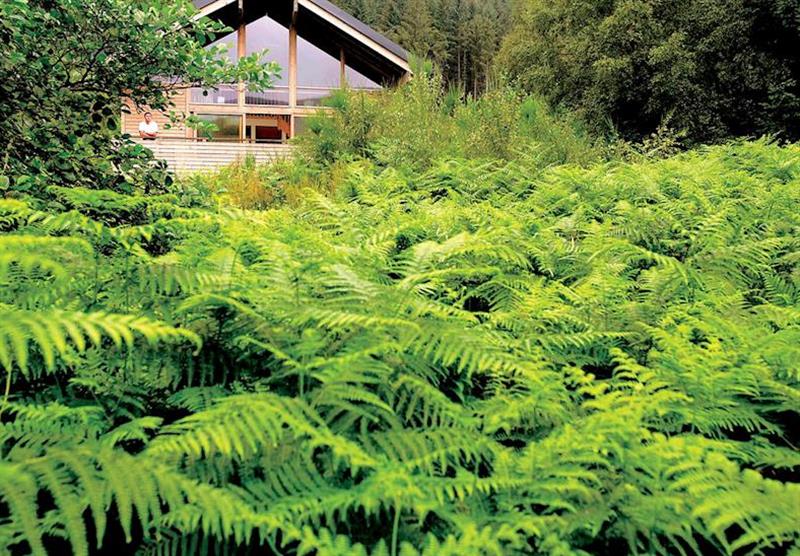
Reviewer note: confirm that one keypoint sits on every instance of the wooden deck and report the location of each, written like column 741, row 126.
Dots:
column 186, row 156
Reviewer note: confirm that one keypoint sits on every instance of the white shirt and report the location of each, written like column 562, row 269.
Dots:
column 152, row 127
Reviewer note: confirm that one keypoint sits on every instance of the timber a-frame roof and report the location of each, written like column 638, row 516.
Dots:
column 326, row 26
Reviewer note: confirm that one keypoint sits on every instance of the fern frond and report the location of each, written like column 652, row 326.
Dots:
column 240, row 426
column 56, row 333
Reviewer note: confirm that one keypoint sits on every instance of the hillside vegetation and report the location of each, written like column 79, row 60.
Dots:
column 478, row 358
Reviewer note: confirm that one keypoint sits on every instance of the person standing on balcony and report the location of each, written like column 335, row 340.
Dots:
column 148, row 129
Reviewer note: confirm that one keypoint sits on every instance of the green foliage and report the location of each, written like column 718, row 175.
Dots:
column 67, row 68
column 421, row 122
column 483, row 358
column 713, row 69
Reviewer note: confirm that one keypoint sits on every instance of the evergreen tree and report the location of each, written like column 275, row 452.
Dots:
column 418, row 32
column 461, row 36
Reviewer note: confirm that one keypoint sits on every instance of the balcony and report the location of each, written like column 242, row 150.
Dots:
column 228, row 95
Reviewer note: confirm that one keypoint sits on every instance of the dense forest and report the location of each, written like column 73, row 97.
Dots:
column 461, row 36
column 710, row 69
column 472, row 315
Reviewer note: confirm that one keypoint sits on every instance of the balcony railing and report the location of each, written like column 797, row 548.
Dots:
column 224, row 94
column 276, row 96
column 229, row 95
column 313, row 96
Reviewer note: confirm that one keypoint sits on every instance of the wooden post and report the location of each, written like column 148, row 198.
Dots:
column 241, row 52
column 343, row 75
column 292, row 66
column 188, row 132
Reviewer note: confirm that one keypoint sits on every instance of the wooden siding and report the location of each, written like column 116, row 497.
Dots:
column 189, row 156
column 130, row 122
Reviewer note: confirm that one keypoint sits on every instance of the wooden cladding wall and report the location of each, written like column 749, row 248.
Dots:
column 188, row 156
column 130, row 122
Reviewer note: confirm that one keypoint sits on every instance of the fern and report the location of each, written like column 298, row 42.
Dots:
column 57, row 333
column 486, row 358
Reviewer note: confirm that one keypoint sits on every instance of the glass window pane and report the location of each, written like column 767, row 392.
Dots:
column 357, row 80
column 223, row 94
column 268, row 34
column 300, row 126
column 227, row 126
column 313, row 96
column 317, row 68
column 275, row 96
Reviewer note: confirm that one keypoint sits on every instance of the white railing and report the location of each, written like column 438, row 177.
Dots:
column 192, row 156
column 313, row 96
column 223, row 94
column 276, row 96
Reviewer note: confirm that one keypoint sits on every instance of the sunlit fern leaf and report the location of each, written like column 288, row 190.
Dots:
column 139, row 430
column 19, row 490
column 288, row 471
column 432, row 451
column 42, row 425
column 169, row 279
column 346, row 406
column 419, row 403
column 471, row 540
column 240, row 426
column 55, row 333
column 324, row 543
column 197, row 398
column 728, row 499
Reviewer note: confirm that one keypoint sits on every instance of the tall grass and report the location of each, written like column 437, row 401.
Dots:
column 422, row 121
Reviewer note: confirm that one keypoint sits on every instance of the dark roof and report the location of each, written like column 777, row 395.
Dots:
column 322, row 34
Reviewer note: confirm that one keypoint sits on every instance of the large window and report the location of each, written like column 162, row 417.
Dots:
column 228, row 127
column 356, row 80
column 301, row 126
column 318, row 73
column 223, row 94
column 267, row 34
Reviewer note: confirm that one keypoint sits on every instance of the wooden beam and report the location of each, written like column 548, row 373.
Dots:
column 213, row 7
column 355, row 33
column 189, row 132
column 292, row 65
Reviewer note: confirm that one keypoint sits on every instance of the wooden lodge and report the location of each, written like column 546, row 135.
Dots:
column 319, row 47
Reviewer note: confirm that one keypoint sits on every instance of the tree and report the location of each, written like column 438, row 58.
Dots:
column 714, row 69
column 67, row 66
column 418, row 32
column 461, row 36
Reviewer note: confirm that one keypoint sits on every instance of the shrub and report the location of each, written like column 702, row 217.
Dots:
column 420, row 122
